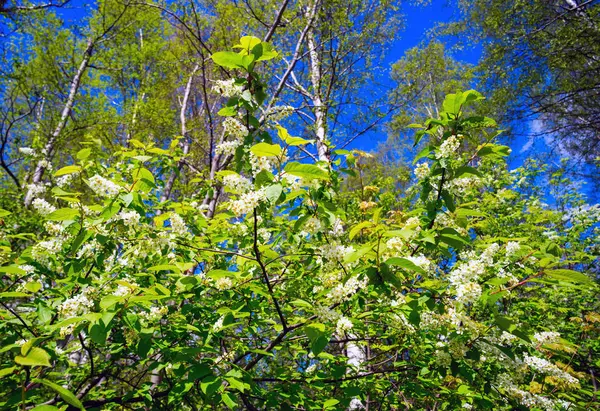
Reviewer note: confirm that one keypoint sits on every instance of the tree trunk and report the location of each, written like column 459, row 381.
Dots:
column 317, row 99
column 64, row 116
column 186, row 141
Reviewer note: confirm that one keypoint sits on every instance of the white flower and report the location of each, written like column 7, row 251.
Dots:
column 28, row 151
column 29, row 269
column 448, row 147
column 122, row 291
column 311, row 368
column 420, row 261
column 43, row 207
column 235, row 128
column 103, row 187
column 512, row 247
column 223, row 283
column 248, row 202
column 337, row 228
column 546, row 337
column 546, row 367
column 178, row 226
column 236, row 183
column 65, row 180
column 343, row 324
column 228, row 88
column 130, row 218
column 77, row 305
column 227, row 148
column 277, row 113
column 422, row 171
column 468, row 292
column 54, row 229
column 264, row 235
column 260, row 163
column 155, row 314
column 36, row 189
column 325, row 314
column 218, row 324
column 342, row 291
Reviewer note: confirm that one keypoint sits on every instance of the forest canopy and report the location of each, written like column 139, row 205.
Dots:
column 248, row 205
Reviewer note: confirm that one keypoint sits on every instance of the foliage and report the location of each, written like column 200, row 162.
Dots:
column 294, row 295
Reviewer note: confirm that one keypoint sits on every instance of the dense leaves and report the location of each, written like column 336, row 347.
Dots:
column 291, row 293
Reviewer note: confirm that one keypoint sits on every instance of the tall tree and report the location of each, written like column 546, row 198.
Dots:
column 541, row 63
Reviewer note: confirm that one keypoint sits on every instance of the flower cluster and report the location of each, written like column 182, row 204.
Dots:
column 260, row 163
column 103, row 187
column 237, row 183
column 77, row 305
column 278, row 113
column 343, row 324
column 227, row 88
column 27, row 151
column 36, row 189
column 130, row 218
column 546, row 367
column 464, row 276
column 235, row 128
column 227, row 148
column 248, row 202
column 342, row 291
column 448, row 147
column 422, row 171
column 43, row 207
column 546, row 337
column 178, row 226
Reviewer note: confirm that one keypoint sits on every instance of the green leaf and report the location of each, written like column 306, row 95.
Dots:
column 63, row 214
column 317, row 336
column 264, row 51
column 404, row 263
column 13, row 294
column 45, row 407
column 228, row 111
column 4, row 213
column 569, row 275
column 229, row 400
column 453, row 103
column 330, row 403
column 266, row 150
column 448, row 200
column 144, row 180
column 12, row 269
column 306, row 171
column 165, row 267
column 35, row 357
column 228, row 59
column 83, row 153
column 467, row 170
column 358, row 228
column 273, row 192
column 7, row 371
column 464, row 212
column 64, row 393
column 210, row 385
column 67, row 170
column 289, row 140
column 247, row 43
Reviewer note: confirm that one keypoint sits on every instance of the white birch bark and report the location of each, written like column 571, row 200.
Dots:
column 64, row 116
column 186, row 142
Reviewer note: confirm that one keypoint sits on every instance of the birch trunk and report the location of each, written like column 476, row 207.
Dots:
column 186, row 142
column 64, row 116
column 317, row 98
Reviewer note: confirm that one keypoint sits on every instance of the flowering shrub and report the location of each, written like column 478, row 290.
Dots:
column 292, row 296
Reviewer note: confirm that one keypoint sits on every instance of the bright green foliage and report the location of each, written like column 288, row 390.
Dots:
column 294, row 295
